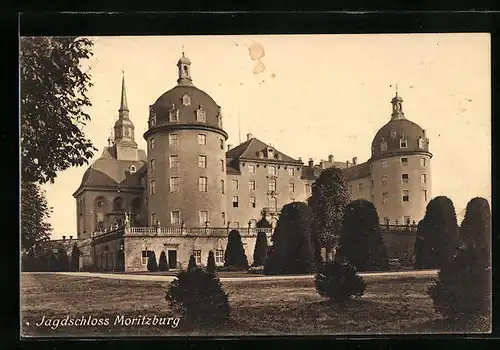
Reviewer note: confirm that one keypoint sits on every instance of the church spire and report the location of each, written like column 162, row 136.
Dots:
column 123, row 111
column 397, row 106
column 184, row 70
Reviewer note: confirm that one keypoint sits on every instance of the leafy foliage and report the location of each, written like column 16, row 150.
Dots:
column 437, row 234
column 263, row 223
column 292, row 251
column 361, row 241
column 152, row 264
column 35, row 213
column 339, row 282
column 260, row 250
column 234, row 256
column 75, row 258
column 53, row 101
column 463, row 288
column 199, row 297
column 162, row 262
column 211, row 268
column 329, row 197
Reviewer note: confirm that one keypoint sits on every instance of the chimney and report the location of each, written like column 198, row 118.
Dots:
column 330, row 158
column 70, row 237
column 64, row 238
column 354, row 160
column 347, row 164
column 249, row 136
column 229, row 146
column 311, row 162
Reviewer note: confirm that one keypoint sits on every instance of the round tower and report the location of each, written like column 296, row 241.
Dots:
column 400, row 169
column 186, row 157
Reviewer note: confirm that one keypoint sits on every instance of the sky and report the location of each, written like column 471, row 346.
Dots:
column 307, row 95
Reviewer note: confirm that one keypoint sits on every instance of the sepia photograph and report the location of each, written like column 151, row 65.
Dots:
column 255, row 185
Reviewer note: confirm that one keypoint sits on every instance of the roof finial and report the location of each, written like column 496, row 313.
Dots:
column 182, row 50
column 396, row 90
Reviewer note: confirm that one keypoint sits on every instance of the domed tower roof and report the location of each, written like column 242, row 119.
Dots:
column 399, row 135
column 185, row 105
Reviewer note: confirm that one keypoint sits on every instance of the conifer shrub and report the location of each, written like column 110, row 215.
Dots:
column 152, row 264
column 199, row 297
column 192, row 263
column 260, row 250
column 75, row 258
column 162, row 262
column 234, row 256
column 211, row 268
column 339, row 282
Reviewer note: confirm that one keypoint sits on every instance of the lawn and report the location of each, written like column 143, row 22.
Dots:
column 390, row 306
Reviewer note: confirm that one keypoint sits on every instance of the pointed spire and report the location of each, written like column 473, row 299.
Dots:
column 123, row 101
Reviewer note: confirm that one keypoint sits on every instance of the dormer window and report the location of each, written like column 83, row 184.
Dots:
column 132, row 169
column 393, row 133
column 383, row 145
column 200, row 115
column 270, row 153
column 261, row 154
column 421, row 142
column 279, row 156
column 403, row 143
column 219, row 120
column 174, row 115
column 152, row 116
column 186, row 100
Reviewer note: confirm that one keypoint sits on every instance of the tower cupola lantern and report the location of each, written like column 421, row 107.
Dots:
column 184, row 70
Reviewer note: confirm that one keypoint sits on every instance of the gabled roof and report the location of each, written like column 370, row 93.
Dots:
column 250, row 150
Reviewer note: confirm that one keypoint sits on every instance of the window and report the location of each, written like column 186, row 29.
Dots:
column 252, row 202
column 153, row 187
column 219, row 256
column 197, row 256
column 222, row 168
column 202, row 184
column 407, row 220
column 174, row 162
column 221, row 144
column 152, row 143
column 153, row 165
column 271, row 185
column 222, row 186
column 273, row 203
column 145, row 256
column 223, row 218
column 251, row 185
column 272, row 170
column 117, row 204
column 393, row 133
column 174, row 184
column 202, row 161
column 406, row 196
column 153, row 219
column 422, row 161
column 203, row 217
column 235, row 201
column 173, row 140
column 174, row 115
column 423, row 178
column 291, row 171
column 291, row 187
column 404, row 178
column 251, row 168
column 421, row 143
column 383, row 146
column 424, row 195
column 186, row 101
column 175, row 217
column 308, row 189
column 384, row 164
column 153, row 119
column 235, row 184
column 202, row 139
column 404, row 161
column 270, row 153
column 200, row 115
column 403, row 143
column 360, row 187
column 385, row 197
column 384, row 180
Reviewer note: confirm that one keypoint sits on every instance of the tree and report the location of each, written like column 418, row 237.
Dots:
column 234, row 256
column 152, row 264
column 53, row 91
column 192, row 263
column 75, row 258
column 463, row 288
column 260, row 250
column 339, row 282
column 263, row 223
column 35, row 214
column 437, row 234
column 199, row 297
column 62, row 259
column 329, row 197
column 162, row 262
column 292, row 251
column 361, row 241
column 211, row 268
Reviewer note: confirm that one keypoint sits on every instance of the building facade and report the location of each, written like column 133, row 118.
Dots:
column 190, row 188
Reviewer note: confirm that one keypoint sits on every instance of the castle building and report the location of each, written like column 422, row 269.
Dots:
column 190, row 188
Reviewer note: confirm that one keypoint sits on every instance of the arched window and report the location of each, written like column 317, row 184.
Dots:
column 118, row 203
column 393, row 133
column 383, row 145
column 421, row 142
column 100, row 209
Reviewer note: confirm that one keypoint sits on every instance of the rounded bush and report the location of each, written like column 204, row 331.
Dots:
column 339, row 282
